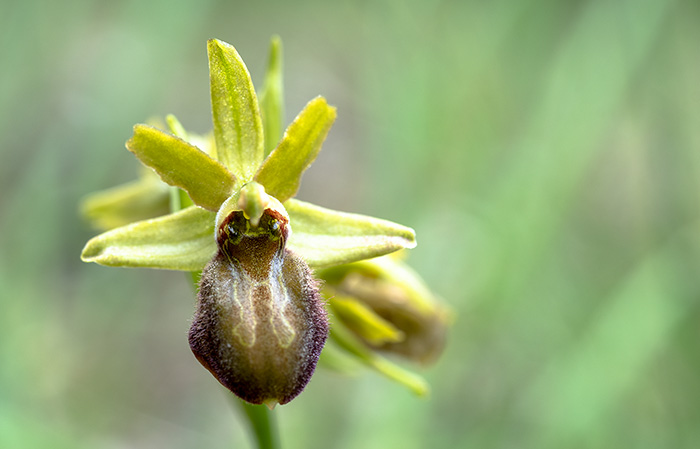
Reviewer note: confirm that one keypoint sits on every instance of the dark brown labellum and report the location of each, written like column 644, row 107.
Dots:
column 260, row 323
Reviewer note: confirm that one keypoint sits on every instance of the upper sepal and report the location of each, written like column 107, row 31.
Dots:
column 271, row 98
column 238, row 129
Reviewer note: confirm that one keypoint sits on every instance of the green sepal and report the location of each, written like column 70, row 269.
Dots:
column 180, row 241
column 238, row 129
column 281, row 171
column 325, row 237
column 183, row 165
column 138, row 200
column 344, row 338
column 364, row 321
column 271, row 97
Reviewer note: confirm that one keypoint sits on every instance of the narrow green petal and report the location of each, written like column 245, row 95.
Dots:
column 364, row 321
column 272, row 98
column 325, row 237
column 183, row 165
column 127, row 203
column 281, row 172
column 237, row 124
column 180, row 241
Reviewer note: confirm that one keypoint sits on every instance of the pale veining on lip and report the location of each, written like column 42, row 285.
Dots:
column 271, row 291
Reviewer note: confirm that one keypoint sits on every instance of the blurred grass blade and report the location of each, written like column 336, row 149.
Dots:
column 282, row 170
column 583, row 91
column 579, row 390
column 180, row 241
column 325, row 237
column 183, row 165
column 272, row 98
column 235, row 112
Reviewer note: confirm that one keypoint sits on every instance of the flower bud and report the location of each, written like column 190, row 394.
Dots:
column 260, row 322
column 388, row 307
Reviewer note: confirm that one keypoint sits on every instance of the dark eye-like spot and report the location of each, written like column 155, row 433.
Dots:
column 231, row 231
column 274, row 227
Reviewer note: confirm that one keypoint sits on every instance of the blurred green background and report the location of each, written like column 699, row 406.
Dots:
column 546, row 152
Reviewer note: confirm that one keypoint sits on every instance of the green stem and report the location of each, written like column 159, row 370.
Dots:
column 262, row 424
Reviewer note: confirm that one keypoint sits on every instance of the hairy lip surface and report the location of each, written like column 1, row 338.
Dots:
column 260, row 323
